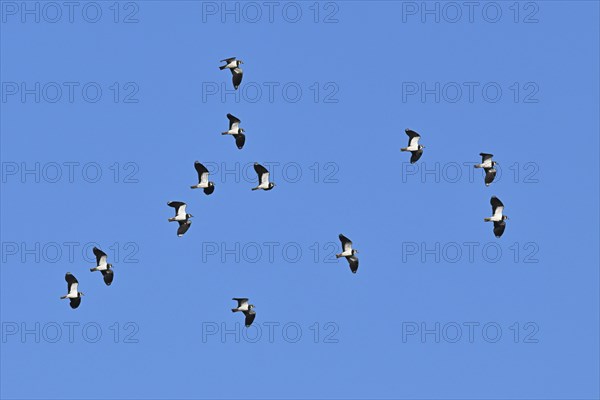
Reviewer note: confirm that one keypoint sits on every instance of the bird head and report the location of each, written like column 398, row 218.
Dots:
column 188, row 215
column 109, row 266
column 211, row 184
column 354, row 251
column 504, row 217
column 81, row 294
column 421, row 147
column 239, row 62
column 271, row 184
column 250, row 306
column 241, row 130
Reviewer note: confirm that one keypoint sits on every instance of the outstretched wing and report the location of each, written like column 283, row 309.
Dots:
column 497, row 206
column 353, row 262
column 242, row 301
column 108, row 276
column 415, row 155
column 100, row 256
column 240, row 139
column 263, row 174
column 250, row 315
column 236, row 78
column 413, row 138
column 490, row 174
column 486, row 157
column 499, row 227
column 234, row 122
column 346, row 243
column 75, row 302
column 72, row 283
column 179, row 207
column 202, row 172
column 228, row 60
column 183, row 227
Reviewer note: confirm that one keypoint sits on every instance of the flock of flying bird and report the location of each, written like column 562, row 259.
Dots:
column 182, row 217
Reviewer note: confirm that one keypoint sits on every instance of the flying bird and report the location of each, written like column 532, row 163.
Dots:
column 230, row 63
column 413, row 146
column 72, row 288
column 349, row 253
column 236, row 131
column 497, row 217
column 180, row 216
column 203, row 182
column 263, row 178
column 247, row 309
column 103, row 266
column 236, row 72
column 488, row 166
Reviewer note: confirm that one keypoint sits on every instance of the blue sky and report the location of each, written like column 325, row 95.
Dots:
column 108, row 118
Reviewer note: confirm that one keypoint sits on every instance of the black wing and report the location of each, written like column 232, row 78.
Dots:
column 411, row 134
column 70, row 280
column 99, row 254
column 344, row 241
column 240, row 139
column 250, row 315
column 200, row 169
column 353, row 262
column 232, row 120
column 108, row 276
column 236, row 77
column 228, row 60
column 176, row 205
column 260, row 170
column 240, row 300
column 209, row 190
column 75, row 302
column 415, row 155
column 499, row 227
column 490, row 174
column 183, row 227
column 495, row 202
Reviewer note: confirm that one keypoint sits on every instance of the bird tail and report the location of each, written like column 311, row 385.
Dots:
column 222, row 67
column 63, row 297
column 404, row 149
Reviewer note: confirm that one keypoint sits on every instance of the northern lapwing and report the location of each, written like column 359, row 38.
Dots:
column 180, row 216
column 263, row 178
column 497, row 217
column 413, row 146
column 349, row 253
column 73, row 294
column 236, row 131
column 203, row 182
column 247, row 309
column 103, row 266
column 488, row 166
